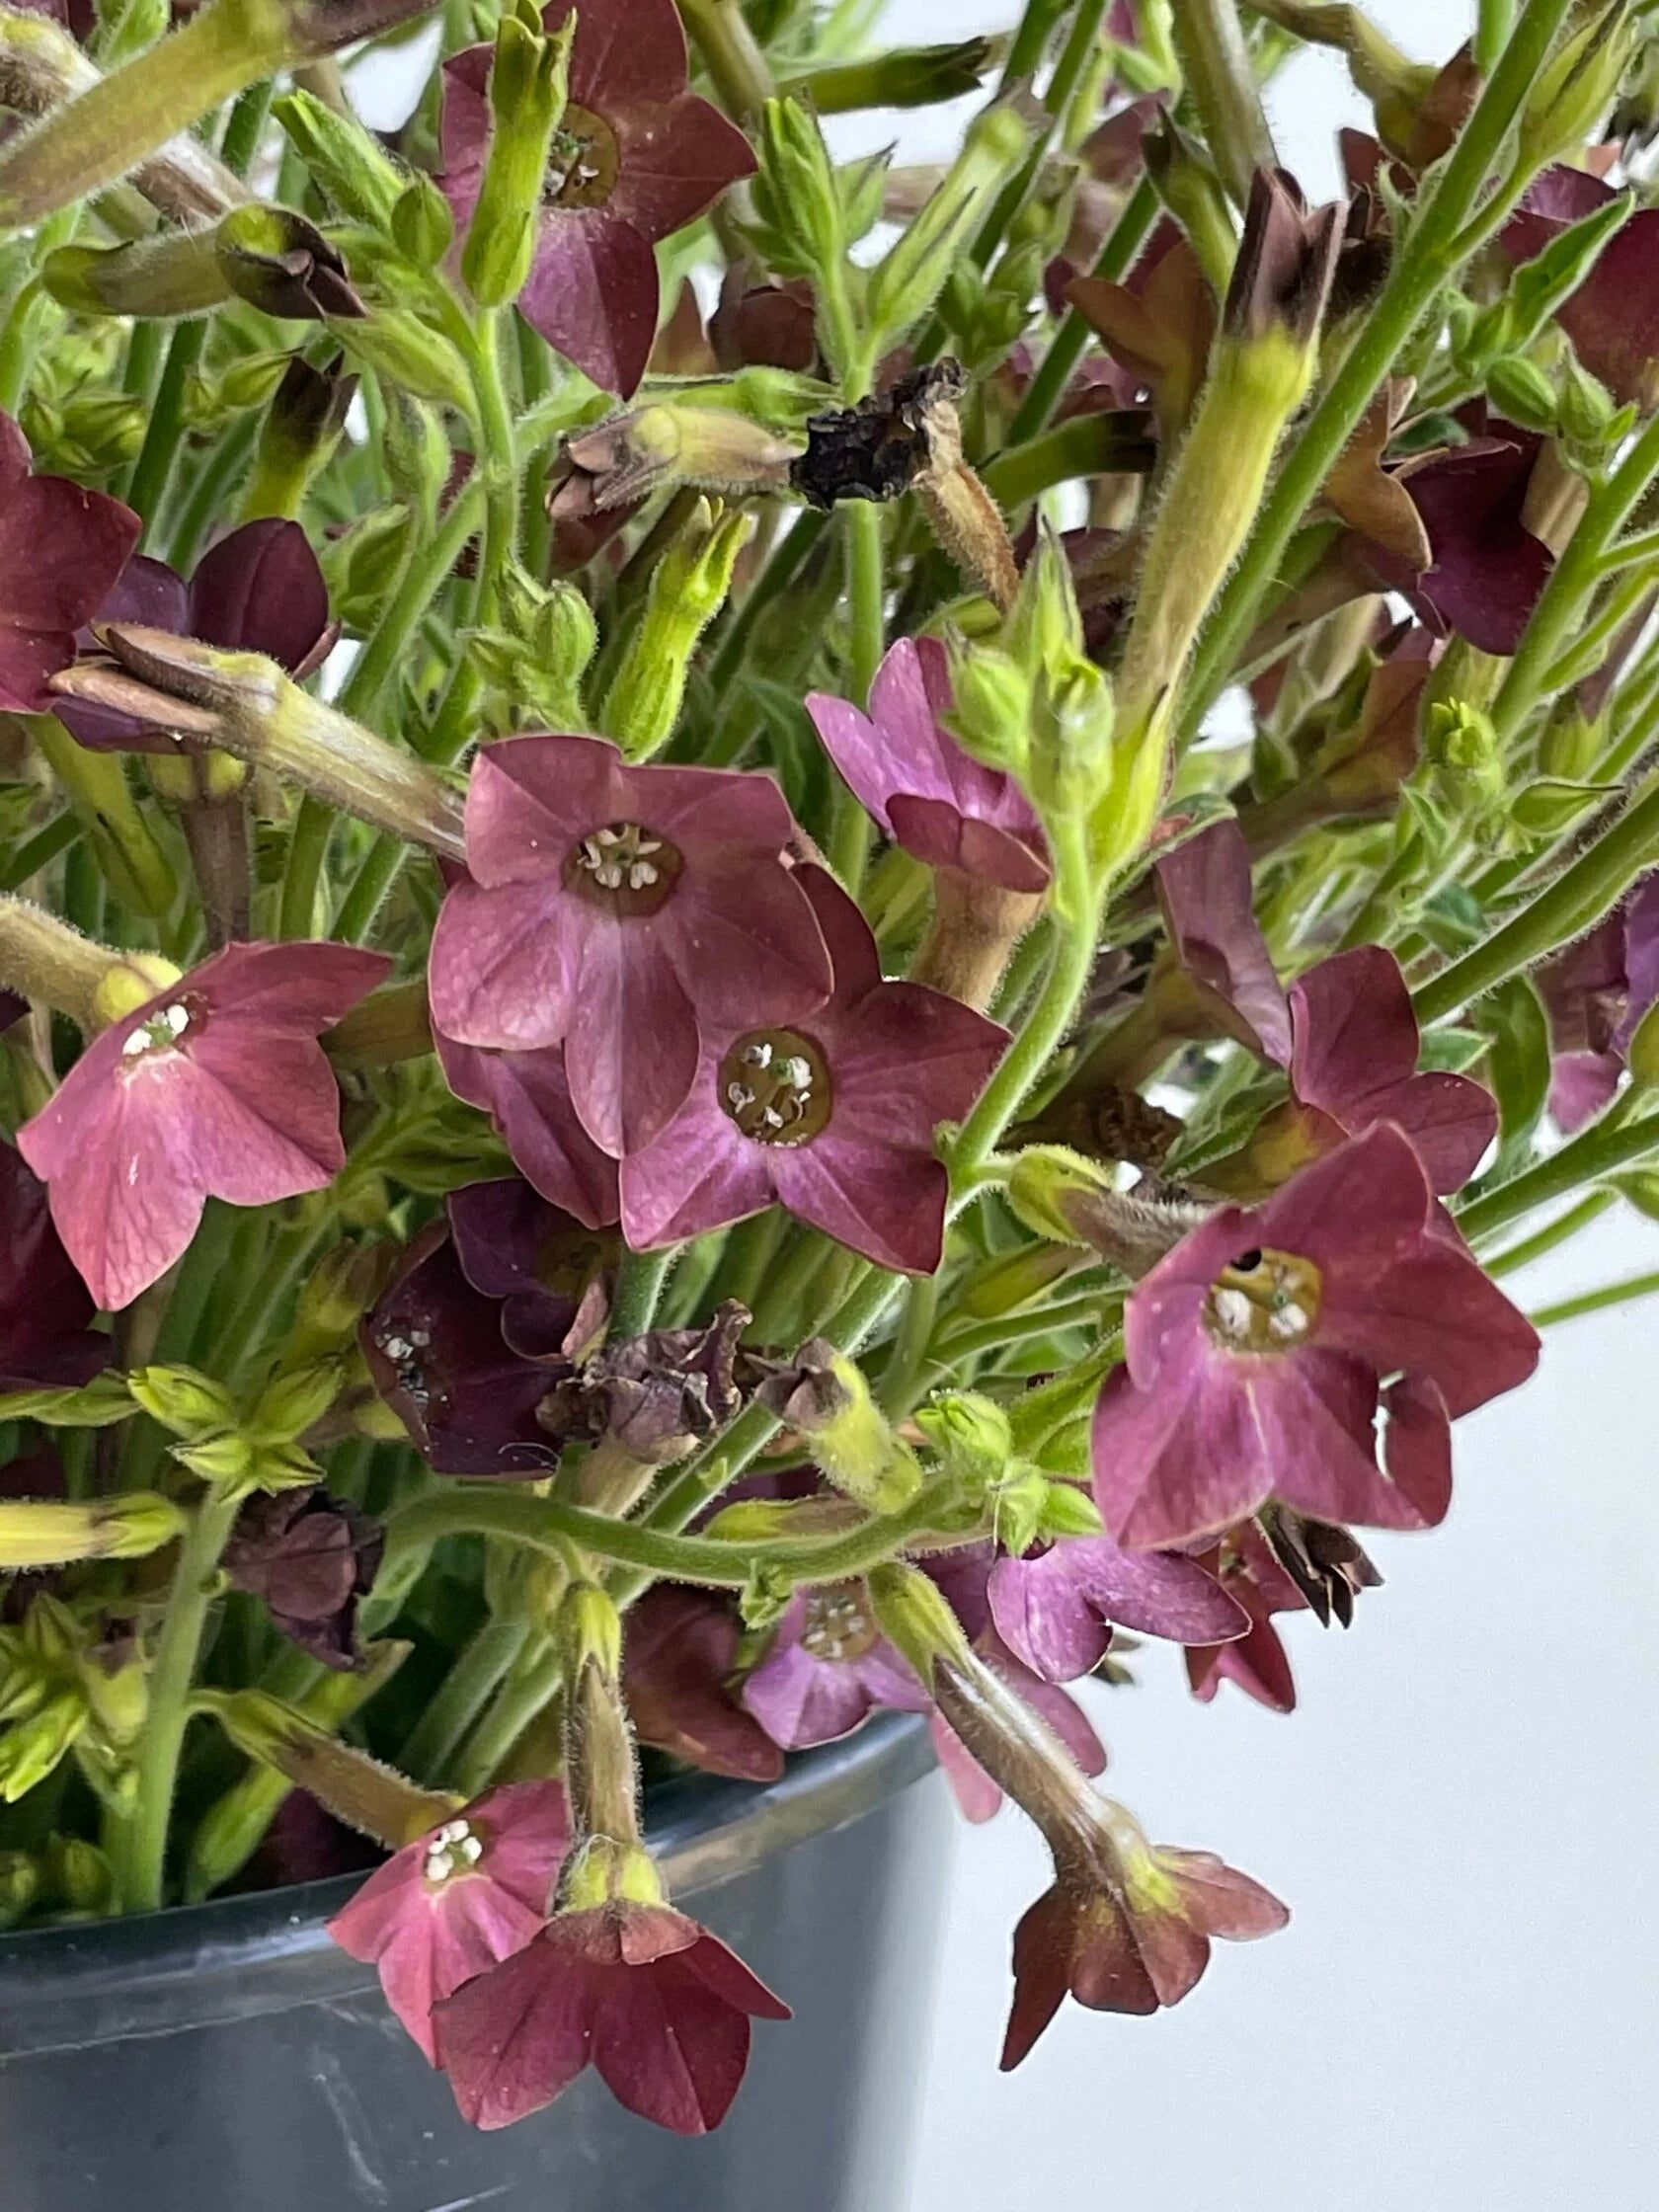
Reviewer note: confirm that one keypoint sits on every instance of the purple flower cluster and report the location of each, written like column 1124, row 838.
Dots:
column 674, row 1020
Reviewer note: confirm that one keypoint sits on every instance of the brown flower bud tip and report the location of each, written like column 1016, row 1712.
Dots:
column 1326, row 1564
column 283, row 265
column 1287, row 258
column 877, row 449
column 709, row 448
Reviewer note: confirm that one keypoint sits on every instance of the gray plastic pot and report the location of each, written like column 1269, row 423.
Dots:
column 228, row 2058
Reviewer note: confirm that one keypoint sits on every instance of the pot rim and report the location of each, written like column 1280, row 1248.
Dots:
column 233, row 1958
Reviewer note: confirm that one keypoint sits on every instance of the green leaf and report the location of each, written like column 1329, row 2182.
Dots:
column 1517, row 1067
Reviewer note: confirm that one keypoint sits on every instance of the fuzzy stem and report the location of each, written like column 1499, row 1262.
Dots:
column 1579, row 896
column 1221, row 82
column 639, row 1285
column 1424, row 263
column 1598, row 1151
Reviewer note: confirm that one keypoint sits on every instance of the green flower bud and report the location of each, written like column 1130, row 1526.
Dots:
column 226, row 1461
column 915, row 1615
column 347, row 161
column 589, row 1631
column 1576, row 86
column 49, row 1534
column 909, row 77
column 991, row 715
column 31, row 1748
column 1069, row 1511
column 1572, row 743
column 183, row 1399
column 1641, row 1056
column 969, row 1433
column 823, row 1395
column 293, row 1402
column 1586, row 409
column 20, row 1885
column 423, row 222
column 1520, row 391
column 904, row 287
column 687, row 588
column 397, row 345
column 527, row 88
column 79, row 1873
column 796, row 195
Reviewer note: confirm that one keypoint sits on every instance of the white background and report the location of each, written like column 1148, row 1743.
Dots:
column 1464, row 1813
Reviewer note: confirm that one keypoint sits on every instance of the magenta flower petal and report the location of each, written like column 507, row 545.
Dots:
column 593, row 296
column 1257, row 1661
column 1257, row 1349
column 1354, row 1058
column 538, row 1259
column 313, row 1558
column 1581, row 1085
column 630, row 53
column 62, row 549
column 657, row 2005
column 215, row 1088
column 1417, row 1450
column 1208, row 905
column 833, row 1113
column 679, row 1660
column 925, row 790
column 468, row 1893
column 676, row 161
column 826, row 1669
column 1055, row 1610
column 44, row 1307
column 260, row 589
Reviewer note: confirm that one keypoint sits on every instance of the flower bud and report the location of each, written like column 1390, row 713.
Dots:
column 396, row 343
column 247, row 705
column 991, row 714
column 689, row 587
column 969, row 1433
column 302, row 428
column 904, row 284
column 667, row 442
column 1185, row 180
column 294, row 1403
column 1521, row 392
column 1586, row 408
column 908, row 77
column 1576, row 86
column 43, row 958
column 366, row 1794
column 1063, row 1195
column 30, row 1749
column 80, row 1874
column 1572, row 742
column 528, row 86
column 823, row 1394
column 346, row 160
column 796, row 195
column 20, row 1885
column 589, row 1627
column 423, row 223
column 47, row 1533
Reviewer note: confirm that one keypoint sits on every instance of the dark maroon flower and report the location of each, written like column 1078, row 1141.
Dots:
column 1157, row 326
column 467, row 1893
column 637, row 156
column 259, row 590
column 768, row 324
column 1613, row 318
column 62, row 549
column 1355, row 1043
column 615, row 911
column 528, row 1097
column 215, row 1088
column 832, row 1112
column 44, row 1307
column 311, row 1559
column 1595, row 993
column 658, row 2005
column 1220, row 978
column 1258, row 1355
column 1127, row 1926
column 826, row 1669
column 1056, row 1608
column 549, row 1276
column 927, row 794
column 1488, row 568
column 679, row 1663
column 436, row 1349
column 1256, row 1661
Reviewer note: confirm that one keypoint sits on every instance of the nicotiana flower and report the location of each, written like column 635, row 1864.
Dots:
column 925, row 791
column 616, row 909
column 1254, row 1563
column 1354, row 1051
column 527, row 1096
column 978, row 1795
column 260, row 590
column 637, row 156
column 550, row 1278
column 832, row 1111
column 1057, row 1606
column 648, row 1998
column 1127, row 1926
column 1220, row 978
column 215, row 1088
column 1158, row 324
column 1260, row 1351
column 1612, row 316
column 826, row 1669
column 44, row 1307
column 1488, row 568
column 438, row 1352
column 62, row 549
column 1597, row 992
column 313, row 1558
column 467, row 1893
column 679, row 1661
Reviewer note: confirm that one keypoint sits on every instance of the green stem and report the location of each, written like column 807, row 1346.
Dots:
column 1089, row 445
column 243, row 132
column 1580, row 896
column 549, row 1524
column 901, row 1385
column 536, row 525
column 497, row 461
column 849, row 835
column 1593, row 1301
column 536, row 1676
column 143, row 1848
column 1082, row 41
column 1595, row 1154
column 1552, row 1234
column 466, row 1689
column 1558, row 617
column 639, row 1285
column 35, row 853
column 1494, row 20
column 1085, row 1311
column 730, row 53
column 159, row 451
column 1065, row 349
column 1424, row 263
column 220, row 472
column 1221, row 84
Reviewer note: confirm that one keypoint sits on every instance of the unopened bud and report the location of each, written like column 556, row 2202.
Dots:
column 1061, row 1195
column 45, row 1532
column 1521, row 392
column 904, row 284
column 1576, row 86
column 527, row 83
column 347, row 161
column 633, row 454
column 823, row 1395
column 423, row 222
column 969, row 1433
column 687, row 590
column 366, row 1794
